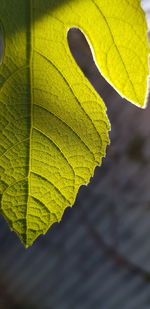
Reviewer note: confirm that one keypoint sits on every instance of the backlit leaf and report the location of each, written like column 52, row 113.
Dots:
column 54, row 128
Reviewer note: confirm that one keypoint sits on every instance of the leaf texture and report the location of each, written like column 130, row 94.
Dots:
column 54, row 128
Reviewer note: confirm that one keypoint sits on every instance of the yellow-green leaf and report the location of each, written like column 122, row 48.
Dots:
column 54, row 128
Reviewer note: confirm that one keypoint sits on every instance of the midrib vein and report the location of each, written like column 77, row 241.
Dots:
column 30, row 102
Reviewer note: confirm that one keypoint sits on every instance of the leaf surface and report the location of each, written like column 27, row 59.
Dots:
column 54, row 128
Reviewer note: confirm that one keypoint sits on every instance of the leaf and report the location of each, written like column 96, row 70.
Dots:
column 54, row 129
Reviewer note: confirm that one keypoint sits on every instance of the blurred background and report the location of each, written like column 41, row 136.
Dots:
column 99, row 255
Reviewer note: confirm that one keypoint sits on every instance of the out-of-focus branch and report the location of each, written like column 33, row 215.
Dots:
column 119, row 259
